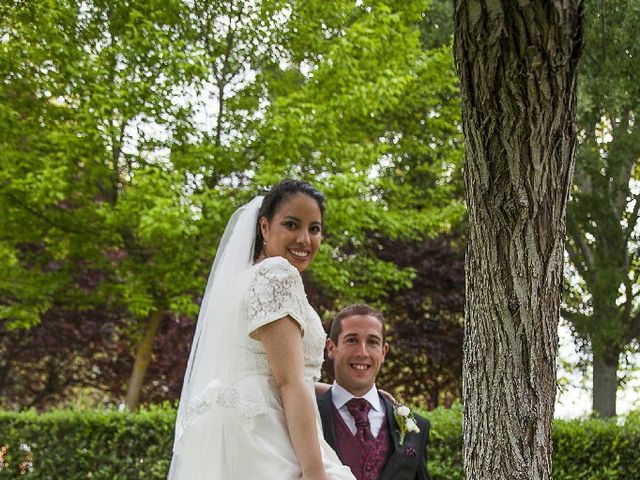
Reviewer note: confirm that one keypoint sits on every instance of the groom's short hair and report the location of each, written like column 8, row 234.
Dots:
column 351, row 310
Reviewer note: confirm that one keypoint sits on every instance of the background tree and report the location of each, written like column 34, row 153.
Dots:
column 602, row 301
column 517, row 65
column 425, row 321
column 85, row 187
column 373, row 112
column 68, row 357
column 382, row 127
column 124, row 155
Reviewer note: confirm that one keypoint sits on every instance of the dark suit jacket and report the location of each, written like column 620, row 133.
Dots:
column 406, row 461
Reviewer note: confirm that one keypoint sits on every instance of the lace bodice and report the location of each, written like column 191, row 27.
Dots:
column 275, row 291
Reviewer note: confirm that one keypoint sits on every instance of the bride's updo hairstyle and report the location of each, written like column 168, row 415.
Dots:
column 277, row 195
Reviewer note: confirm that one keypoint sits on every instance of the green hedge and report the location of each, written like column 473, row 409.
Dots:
column 597, row 449
column 122, row 446
column 67, row 445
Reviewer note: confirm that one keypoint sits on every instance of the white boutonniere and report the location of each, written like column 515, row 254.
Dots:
column 406, row 421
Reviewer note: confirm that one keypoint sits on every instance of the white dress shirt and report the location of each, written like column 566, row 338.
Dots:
column 377, row 415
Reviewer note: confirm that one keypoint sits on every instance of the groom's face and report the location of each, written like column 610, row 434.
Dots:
column 359, row 353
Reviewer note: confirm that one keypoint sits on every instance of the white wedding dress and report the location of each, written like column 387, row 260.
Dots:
column 247, row 415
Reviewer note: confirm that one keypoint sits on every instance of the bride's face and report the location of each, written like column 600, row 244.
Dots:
column 294, row 232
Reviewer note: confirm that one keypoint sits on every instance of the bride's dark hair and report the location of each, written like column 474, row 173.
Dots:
column 277, row 195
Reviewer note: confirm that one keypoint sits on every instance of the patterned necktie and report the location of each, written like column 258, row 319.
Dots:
column 359, row 409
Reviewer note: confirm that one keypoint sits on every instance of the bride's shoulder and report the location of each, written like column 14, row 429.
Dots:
column 275, row 267
column 275, row 274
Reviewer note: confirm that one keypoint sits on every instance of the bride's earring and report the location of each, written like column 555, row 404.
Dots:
column 263, row 253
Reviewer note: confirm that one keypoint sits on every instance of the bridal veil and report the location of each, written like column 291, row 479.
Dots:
column 216, row 353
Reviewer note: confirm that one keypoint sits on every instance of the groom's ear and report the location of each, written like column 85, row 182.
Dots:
column 330, row 348
column 385, row 350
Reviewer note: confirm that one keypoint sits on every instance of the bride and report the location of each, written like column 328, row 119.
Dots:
column 247, row 409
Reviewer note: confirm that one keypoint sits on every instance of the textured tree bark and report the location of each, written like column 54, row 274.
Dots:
column 143, row 358
column 517, row 64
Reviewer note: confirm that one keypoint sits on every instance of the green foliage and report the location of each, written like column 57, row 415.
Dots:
column 596, row 449
column 131, row 130
column 444, row 459
column 106, row 160
column 78, row 85
column 602, row 217
column 376, row 119
column 113, row 445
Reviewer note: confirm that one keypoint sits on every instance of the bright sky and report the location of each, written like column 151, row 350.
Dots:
column 574, row 400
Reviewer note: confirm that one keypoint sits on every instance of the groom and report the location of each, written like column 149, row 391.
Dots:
column 357, row 421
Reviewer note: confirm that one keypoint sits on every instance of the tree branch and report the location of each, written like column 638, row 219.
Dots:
column 225, row 75
column 578, row 238
column 46, row 219
column 633, row 219
column 575, row 259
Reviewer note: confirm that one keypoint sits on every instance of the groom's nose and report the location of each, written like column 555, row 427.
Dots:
column 361, row 349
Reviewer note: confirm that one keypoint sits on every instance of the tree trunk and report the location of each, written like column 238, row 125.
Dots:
column 608, row 323
column 605, row 383
column 143, row 358
column 517, row 63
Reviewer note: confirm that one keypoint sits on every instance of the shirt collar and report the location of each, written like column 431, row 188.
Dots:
column 341, row 396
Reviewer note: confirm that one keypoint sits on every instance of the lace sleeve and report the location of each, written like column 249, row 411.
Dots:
column 275, row 292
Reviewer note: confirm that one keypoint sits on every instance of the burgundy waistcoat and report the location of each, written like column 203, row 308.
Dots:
column 366, row 462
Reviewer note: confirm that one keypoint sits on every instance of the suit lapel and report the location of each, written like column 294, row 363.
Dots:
column 325, row 407
column 391, row 424
column 390, row 466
